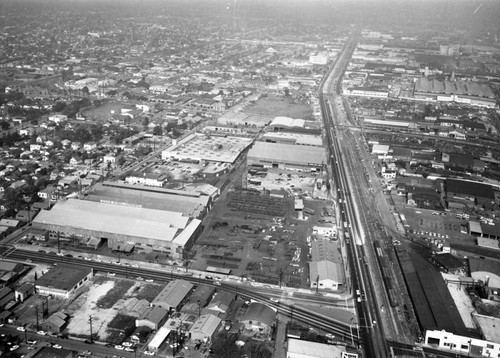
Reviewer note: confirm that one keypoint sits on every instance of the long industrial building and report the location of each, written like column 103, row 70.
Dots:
column 123, row 227
column 189, row 203
column 287, row 156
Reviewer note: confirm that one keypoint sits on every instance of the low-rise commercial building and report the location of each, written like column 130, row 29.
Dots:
column 461, row 344
column 205, row 328
column 153, row 318
column 173, row 295
column 62, row 280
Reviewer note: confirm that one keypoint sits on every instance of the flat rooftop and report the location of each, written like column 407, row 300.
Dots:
column 206, row 147
column 296, row 138
column 288, row 153
column 63, row 277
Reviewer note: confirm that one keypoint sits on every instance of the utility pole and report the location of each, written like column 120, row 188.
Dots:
column 36, row 313
column 90, row 323
column 317, row 284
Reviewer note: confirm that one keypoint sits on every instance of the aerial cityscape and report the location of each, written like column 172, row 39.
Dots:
column 249, row 178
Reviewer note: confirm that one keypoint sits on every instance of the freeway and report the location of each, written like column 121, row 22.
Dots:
column 371, row 330
column 344, row 332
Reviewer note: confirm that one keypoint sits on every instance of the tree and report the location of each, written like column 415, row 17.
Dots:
column 59, row 106
column 145, row 122
column 85, row 90
column 157, row 130
column 4, row 125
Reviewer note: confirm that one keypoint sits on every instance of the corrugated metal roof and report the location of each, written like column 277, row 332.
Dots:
column 326, row 270
column 116, row 219
column 173, row 293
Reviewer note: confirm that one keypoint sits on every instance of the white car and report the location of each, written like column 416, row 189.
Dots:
column 127, row 344
column 21, row 328
column 42, row 333
column 57, row 346
column 149, row 353
column 13, row 348
column 129, row 349
column 119, row 347
column 329, row 335
column 111, row 274
column 274, row 300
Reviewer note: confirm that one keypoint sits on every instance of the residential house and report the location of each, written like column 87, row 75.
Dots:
column 56, row 322
column 66, row 143
column 90, row 146
column 48, row 193
column 75, row 160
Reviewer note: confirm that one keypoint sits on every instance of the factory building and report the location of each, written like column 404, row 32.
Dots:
column 123, row 227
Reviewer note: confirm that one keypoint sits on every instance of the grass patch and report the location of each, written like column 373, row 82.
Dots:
column 149, row 292
column 116, row 293
column 280, row 106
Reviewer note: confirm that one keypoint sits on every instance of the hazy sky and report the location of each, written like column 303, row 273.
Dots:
column 453, row 13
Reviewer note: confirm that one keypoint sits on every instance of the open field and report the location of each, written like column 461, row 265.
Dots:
column 103, row 113
column 279, row 106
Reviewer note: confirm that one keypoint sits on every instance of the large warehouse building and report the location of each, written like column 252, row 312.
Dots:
column 189, row 203
column 201, row 147
column 287, row 156
column 124, row 227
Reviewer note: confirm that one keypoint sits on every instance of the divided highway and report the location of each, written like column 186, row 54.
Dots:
column 370, row 328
